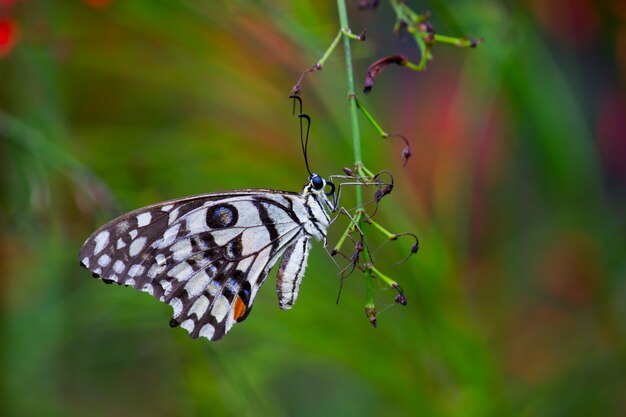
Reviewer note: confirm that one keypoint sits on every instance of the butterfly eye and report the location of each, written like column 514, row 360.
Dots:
column 317, row 181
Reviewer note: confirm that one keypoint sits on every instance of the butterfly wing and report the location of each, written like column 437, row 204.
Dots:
column 206, row 256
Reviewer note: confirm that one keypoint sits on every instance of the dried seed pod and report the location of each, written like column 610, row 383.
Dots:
column 376, row 68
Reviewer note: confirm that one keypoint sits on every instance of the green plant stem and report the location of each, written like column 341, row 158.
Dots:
column 330, row 49
column 383, row 277
column 387, row 233
column 462, row 42
column 370, row 119
column 356, row 136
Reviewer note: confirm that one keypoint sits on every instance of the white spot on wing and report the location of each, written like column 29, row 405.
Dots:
column 224, row 236
column 213, row 288
column 188, row 325
column 199, row 307
column 197, row 284
column 207, row 331
column 118, row 266
column 120, row 243
column 181, row 249
column 122, row 227
column 158, row 266
column 181, row 271
column 167, row 286
column 177, row 305
column 245, row 263
column 230, row 320
column 160, row 259
column 135, row 270
column 254, row 239
column 248, row 214
column 101, row 240
column 152, row 272
column 133, row 234
column 104, row 260
column 167, row 208
column 86, row 262
column 148, row 288
column 220, row 308
column 173, row 216
column 168, row 237
column 196, row 221
column 144, row 219
column 136, row 246
column 130, row 282
column 257, row 267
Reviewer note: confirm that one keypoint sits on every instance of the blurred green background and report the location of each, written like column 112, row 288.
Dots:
column 517, row 189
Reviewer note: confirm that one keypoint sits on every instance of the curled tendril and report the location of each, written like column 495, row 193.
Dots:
column 406, row 151
column 414, row 248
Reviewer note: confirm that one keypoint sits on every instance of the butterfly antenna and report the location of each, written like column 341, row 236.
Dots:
column 295, row 98
column 304, row 138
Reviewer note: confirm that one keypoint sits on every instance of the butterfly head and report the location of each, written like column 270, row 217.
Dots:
column 321, row 188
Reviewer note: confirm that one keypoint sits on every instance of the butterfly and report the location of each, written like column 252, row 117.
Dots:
column 208, row 255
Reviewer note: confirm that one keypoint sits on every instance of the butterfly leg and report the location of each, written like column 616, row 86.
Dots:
column 384, row 187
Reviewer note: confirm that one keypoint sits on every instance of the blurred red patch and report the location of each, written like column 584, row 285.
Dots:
column 574, row 21
column 9, row 33
column 611, row 135
column 98, row 4
column 7, row 3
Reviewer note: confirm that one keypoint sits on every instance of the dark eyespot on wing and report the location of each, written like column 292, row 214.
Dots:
column 222, row 215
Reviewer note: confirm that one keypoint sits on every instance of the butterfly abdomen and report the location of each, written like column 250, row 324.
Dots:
column 290, row 272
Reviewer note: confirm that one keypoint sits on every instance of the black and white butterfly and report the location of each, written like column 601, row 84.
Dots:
column 208, row 255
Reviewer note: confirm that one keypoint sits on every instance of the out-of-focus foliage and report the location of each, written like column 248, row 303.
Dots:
column 516, row 188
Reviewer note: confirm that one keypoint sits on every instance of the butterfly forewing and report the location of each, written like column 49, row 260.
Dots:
column 206, row 256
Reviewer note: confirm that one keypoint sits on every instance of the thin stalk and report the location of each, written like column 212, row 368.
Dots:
column 356, row 134
column 387, row 233
column 343, row 32
column 370, row 119
column 462, row 42
column 330, row 49
column 356, row 146
column 383, row 277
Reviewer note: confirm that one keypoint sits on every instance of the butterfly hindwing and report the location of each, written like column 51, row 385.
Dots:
column 206, row 256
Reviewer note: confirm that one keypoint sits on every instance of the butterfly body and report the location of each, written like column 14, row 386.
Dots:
column 208, row 255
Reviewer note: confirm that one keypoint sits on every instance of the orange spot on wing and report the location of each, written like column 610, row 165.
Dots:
column 239, row 308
